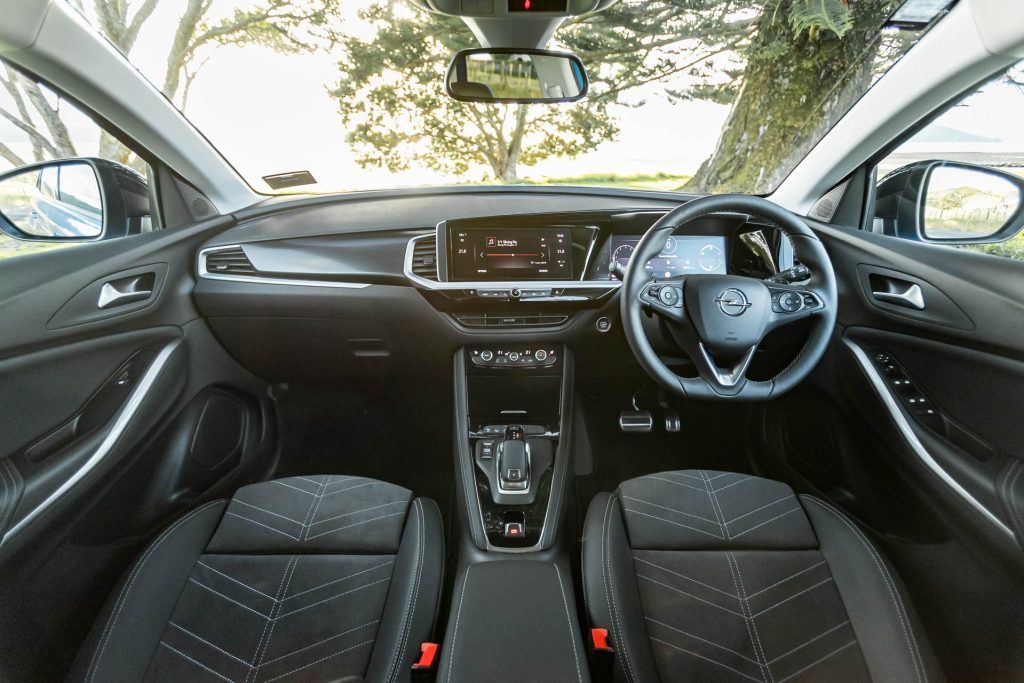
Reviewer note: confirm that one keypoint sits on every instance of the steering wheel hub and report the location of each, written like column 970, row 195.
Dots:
column 729, row 313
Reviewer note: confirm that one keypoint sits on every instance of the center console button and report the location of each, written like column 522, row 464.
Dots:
column 513, row 356
column 541, row 355
column 487, row 355
column 514, row 530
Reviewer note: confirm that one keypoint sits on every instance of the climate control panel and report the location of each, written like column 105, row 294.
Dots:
column 519, row 356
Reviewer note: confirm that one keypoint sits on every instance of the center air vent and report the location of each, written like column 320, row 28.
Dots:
column 231, row 261
column 424, row 258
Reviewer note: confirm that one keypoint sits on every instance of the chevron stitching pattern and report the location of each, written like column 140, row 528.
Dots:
column 208, row 658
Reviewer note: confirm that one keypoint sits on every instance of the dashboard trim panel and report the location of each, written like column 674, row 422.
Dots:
column 260, row 280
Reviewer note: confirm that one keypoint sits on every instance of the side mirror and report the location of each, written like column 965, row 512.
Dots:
column 73, row 200
column 514, row 75
column 951, row 203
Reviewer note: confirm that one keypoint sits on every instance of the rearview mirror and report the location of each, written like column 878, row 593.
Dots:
column 73, row 200
column 513, row 75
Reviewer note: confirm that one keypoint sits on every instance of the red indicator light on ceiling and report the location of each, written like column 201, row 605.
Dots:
column 526, row 5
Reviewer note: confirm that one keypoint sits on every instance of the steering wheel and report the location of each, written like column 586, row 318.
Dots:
column 725, row 317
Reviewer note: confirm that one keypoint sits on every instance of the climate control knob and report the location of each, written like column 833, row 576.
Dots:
column 487, row 355
column 541, row 355
column 514, row 356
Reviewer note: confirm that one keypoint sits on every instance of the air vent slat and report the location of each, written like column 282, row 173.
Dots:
column 511, row 319
column 229, row 262
column 424, row 258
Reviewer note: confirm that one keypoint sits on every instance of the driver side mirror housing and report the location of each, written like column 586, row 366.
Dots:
column 949, row 202
column 73, row 200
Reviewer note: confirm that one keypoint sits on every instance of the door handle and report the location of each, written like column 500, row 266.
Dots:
column 900, row 293
column 126, row 290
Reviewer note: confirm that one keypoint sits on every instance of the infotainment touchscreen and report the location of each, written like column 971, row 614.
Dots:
column 507, row 254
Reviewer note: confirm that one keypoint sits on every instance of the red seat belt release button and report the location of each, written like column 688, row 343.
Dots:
column 428, row 653
column 600, row 638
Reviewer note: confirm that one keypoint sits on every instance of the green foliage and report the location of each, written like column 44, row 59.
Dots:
column 815, row 16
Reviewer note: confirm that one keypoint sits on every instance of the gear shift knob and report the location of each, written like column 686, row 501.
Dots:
column 514, row 460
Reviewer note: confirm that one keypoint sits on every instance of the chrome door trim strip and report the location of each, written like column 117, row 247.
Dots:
column 907, row 431
column 258, row 280
column 121, row 422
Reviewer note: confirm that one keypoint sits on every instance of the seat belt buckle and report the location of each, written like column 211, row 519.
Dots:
column 424, row 666
column 599, row 636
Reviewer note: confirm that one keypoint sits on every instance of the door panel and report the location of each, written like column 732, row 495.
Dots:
column 118, row 411
column 914, row 421
column 947, row 373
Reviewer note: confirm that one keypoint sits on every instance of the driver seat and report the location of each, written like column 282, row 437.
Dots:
column 700, row 575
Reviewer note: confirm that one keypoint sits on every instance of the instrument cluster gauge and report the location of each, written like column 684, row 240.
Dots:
column 670, row 247
column 711, row 258
column 622, row 254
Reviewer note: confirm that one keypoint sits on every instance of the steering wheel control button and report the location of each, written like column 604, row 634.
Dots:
column 603, row 324
column 669, row 296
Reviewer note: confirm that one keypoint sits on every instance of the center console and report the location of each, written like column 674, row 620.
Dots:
column 513, row 453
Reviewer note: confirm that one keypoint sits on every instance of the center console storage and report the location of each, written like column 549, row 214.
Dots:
column 514, row 620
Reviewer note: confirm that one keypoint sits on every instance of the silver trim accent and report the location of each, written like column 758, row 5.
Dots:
column 121, row 422
column 256, row 279
column 734, row 376
column 911, row 297
column 526, row 284
column 915, row 444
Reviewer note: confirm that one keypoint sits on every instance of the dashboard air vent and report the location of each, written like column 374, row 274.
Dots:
column 424, row 258
column 510, row 319
column 229, row 262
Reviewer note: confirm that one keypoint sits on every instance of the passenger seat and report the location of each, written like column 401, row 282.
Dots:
column 305, row 578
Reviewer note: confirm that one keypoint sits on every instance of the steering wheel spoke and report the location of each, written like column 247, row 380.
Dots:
column 792, row 302
column 665, row 298
column 724, row 381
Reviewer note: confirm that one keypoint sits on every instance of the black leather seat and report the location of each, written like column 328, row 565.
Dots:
column 306, row 578
column 713, row 576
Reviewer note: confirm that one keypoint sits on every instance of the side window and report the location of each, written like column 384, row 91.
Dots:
column 64, row 180
column 959, row 180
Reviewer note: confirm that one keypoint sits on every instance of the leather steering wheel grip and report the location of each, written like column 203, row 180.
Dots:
column 809, row 251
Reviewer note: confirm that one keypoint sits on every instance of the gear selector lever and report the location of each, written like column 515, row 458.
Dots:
column 514, row 461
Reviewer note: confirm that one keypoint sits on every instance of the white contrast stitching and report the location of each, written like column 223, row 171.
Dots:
column 818, row 661
column 704, row 640
column 196, row 662
column 707, row 659
column 131, row 581
column 572, row 629
column 322, row 659
column 458, row 616
column 908, row 633
column 414, row 592
column 666, row 569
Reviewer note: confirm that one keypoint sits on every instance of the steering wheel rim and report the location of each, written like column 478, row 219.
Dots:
column 701, row 330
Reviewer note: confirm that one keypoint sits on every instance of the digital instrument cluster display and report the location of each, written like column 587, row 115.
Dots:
column 506, row 254
column 682, row 255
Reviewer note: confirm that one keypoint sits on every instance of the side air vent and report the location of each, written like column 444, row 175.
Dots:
column 229, row 262
column 510, row 319
column 424, row 258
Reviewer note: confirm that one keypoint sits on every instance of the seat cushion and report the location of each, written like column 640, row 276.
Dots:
column 703, row 575
column 306, row 578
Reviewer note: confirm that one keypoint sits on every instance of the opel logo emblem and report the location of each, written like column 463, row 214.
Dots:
column 733, row 302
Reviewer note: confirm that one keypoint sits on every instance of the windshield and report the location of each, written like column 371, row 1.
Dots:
column 715, row 96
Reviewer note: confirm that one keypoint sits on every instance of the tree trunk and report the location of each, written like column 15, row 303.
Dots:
column 789, row 100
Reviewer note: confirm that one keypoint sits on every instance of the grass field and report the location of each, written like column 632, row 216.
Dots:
column 636, row 181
